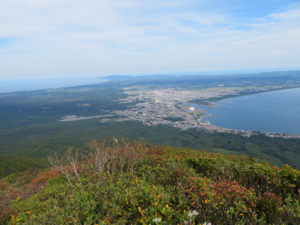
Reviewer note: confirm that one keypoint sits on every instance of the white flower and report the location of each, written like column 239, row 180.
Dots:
column 207, row 223
column 186, row 222
column 157, row 220
column 194, row 213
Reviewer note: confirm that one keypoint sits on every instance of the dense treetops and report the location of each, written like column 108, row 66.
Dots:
column 123, row 183
column 13, row 164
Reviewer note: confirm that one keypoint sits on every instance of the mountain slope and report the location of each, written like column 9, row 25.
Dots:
column 122, row 183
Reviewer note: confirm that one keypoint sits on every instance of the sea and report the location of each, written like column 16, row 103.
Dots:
column 276, row 111
column 7, row 86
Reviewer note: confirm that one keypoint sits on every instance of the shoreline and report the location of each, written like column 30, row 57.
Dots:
column 211, row 101
column 246, row 133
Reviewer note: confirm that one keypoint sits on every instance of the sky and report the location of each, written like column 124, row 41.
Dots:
column 55, row 38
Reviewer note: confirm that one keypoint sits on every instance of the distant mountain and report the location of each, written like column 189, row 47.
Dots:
column 120, row 77
column 117, row 77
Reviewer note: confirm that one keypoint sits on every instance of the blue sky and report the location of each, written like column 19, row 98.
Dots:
column 53, row 38
column 5, row 41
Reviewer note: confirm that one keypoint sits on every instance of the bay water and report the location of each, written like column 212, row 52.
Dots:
column 277, row 111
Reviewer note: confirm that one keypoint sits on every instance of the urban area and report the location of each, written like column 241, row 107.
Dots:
column 171, row 107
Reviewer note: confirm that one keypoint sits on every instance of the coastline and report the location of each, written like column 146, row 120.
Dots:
column 247, row 133
column 209, row 102
column 154, row 107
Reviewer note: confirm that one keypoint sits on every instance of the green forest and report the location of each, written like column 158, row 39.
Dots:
column 29, row 124
column 41, row 140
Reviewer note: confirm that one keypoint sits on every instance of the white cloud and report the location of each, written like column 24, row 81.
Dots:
column 261, row 24
column 64, row 37
column 290, row 14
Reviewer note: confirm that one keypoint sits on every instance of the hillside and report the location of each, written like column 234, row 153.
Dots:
column 134, row 183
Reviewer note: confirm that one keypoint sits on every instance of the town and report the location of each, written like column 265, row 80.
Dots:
column 170, row 107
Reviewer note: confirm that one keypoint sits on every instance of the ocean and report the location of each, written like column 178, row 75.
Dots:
column 7, row 86
column 277, row 111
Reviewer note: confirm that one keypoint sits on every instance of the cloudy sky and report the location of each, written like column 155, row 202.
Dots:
column 48, row 38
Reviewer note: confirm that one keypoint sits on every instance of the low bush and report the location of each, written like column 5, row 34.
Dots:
column 122, row 183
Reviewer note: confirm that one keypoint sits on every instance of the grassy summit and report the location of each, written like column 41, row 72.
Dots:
column 132, row 183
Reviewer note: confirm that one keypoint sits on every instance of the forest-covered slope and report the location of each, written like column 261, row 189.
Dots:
column 10, row 164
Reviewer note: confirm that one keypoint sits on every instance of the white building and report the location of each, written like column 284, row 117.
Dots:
column 192, row 109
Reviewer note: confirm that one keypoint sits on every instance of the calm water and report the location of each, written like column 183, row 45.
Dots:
column 38, row 84
column 277, row 111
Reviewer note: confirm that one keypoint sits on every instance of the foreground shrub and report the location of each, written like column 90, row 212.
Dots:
column 122, row 183
column 30, row 186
